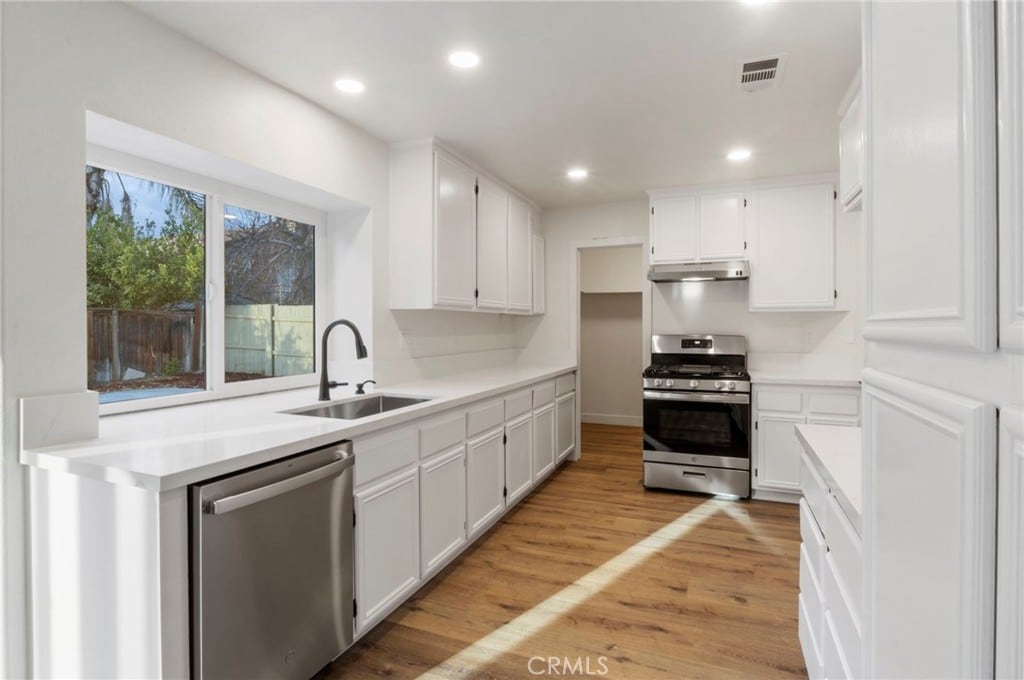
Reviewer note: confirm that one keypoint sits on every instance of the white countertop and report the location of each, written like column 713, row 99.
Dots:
column 168, row 448
column 836, row 452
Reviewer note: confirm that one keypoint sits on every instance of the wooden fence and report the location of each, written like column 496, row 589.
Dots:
column 267, row 340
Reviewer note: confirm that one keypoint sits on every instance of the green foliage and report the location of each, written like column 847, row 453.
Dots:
column 144, row 266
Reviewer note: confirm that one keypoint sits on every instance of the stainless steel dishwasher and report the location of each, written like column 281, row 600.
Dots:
column 272, row 560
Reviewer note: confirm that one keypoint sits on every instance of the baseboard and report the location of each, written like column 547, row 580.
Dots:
column 777, row 496
column 611, row 419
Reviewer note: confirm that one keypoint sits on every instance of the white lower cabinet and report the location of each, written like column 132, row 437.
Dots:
column 777, row 410
column 778, row 460
column 565, row 425
column 442, row 508
column 543, row 441
column 387, row 545
column 485, row 480
column 519, row 457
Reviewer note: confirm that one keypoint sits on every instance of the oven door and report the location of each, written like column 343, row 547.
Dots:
column 697, row 428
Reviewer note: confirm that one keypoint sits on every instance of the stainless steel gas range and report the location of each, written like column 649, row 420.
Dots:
column 697, row 415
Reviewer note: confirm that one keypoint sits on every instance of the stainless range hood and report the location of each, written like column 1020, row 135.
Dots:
column 733, row 270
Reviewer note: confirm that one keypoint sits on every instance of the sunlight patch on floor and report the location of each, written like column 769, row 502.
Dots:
column 739, row 514
column 503, row 640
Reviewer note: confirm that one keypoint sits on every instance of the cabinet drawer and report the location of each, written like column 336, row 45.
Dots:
column 810, row 644
column 485, row 417
column 836, row 665
column 844, row 548
column 813, row 592
column 834, row 403
column 543, row 393
column 786, row 401
column 813, row 539
column 443, row 432
column 815, row 491
column 518, row 403
column 379, row 454
column 565, row 384
column 846, row 623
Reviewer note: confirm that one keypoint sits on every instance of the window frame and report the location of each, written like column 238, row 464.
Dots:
column 218, row 194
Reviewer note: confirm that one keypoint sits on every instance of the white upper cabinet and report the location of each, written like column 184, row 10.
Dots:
column 792, row 259
column 851, row 148
column 930, row 168
column 697, row 227
column 492, row 246
column 721, row 227
column 674, row 230
column 519, row 247
column 1011, row 175
column 537, row 267
column 452, row 245
column 454, row 234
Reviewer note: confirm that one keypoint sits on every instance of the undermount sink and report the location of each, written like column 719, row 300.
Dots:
column 352, row 409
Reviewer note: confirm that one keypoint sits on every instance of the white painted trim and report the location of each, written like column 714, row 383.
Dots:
column 972, row 424
column 1011, row 174
column 972, row 322
column 574, row 308
column 1010, row 560
column 764, row 183
column 775, row 496
column 612, row 419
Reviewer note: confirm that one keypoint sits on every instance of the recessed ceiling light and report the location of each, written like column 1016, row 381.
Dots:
column 577, row 174
column 738, row 155
column 464, row 59
column 349, row 85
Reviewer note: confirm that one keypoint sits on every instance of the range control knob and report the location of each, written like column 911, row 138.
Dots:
column 718, row 384
column 730, row 385
column 694, row 383
column 669, row 383
column 657, row 382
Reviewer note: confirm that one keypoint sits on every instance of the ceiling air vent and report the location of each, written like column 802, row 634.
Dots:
column 761, row 73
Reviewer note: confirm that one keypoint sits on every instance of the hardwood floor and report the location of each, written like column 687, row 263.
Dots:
column 593, row 569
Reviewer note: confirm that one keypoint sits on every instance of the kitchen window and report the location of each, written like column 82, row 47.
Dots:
column 196, row 289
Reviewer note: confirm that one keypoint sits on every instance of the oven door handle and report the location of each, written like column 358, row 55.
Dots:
column 706, row 397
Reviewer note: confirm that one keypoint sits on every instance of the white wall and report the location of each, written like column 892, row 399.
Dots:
column 549, row 338
column 63, row 59
column 611, row 358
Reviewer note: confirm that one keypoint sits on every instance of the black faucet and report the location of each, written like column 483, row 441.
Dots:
column 360, row 386
column 325, row 384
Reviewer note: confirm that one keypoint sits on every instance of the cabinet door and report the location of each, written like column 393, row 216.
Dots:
column 492, row 246
column 519, row 245
column 485, row 481
column 778, row 453
column 851, row 155
column 442, row 508
column 721, row 227
column 519, row 457
column 792, row 262
column 565, row 425
column 537, row 267
column 674, row 229
column 387, row 545
column 543, row 441
column 454, row 233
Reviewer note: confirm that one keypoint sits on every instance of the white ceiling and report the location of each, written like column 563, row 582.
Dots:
column 643, row 94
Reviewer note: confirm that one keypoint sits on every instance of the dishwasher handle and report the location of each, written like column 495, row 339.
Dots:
column 241, row 500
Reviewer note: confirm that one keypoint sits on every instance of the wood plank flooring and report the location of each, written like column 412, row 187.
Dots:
column 595, row 569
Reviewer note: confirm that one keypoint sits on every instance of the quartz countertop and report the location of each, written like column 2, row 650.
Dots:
column 169, row 448
column 836, row 451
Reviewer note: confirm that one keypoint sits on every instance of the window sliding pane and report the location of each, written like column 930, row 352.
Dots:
column 269, row 282
column 146, row 277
